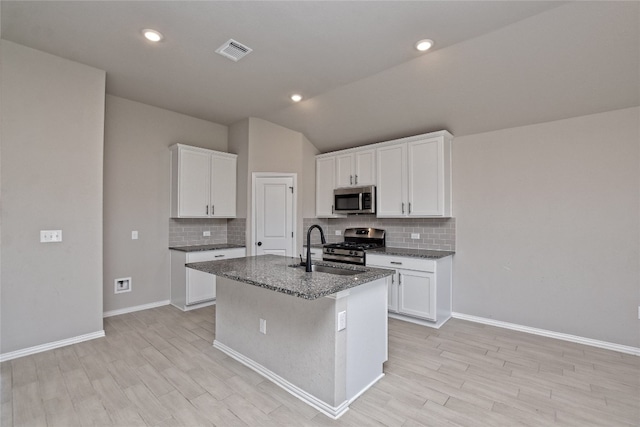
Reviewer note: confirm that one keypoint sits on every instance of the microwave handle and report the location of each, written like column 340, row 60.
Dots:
column 360, row 203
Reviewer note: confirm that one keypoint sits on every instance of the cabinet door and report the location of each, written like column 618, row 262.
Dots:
column 392, row 299
column 344, row 171
column 193, row 183
column 201, row 286
column 416, row 294
column 391, row 181
column 425, row 186
column 223, row 187
column 365, row 167
column 325, row 184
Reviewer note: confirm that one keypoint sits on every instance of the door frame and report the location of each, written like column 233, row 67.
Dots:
column 254, row 176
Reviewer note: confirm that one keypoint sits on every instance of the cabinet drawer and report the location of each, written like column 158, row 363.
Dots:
column 387, row 261
column 215, row 255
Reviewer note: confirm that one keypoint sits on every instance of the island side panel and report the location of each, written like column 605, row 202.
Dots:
column 367, row 335
column 301, row 344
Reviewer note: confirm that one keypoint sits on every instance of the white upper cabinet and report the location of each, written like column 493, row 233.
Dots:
column 203, row 183
column 325, row 183
column 223, row 185
column 348, row 168
column 414, row 176
column 392, row 181
column 356, row 168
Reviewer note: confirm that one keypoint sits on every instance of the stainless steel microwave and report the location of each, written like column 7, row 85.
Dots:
column 355, row 200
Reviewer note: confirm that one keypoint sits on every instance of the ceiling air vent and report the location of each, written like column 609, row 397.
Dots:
column 233, row 50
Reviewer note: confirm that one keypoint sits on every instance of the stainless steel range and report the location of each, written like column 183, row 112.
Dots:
column 356, row 242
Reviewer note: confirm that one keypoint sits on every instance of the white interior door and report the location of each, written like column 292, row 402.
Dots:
column 274, row 215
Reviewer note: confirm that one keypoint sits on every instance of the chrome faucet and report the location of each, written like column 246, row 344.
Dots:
column 308, row 267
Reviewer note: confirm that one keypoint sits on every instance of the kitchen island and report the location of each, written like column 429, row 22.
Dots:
column 320, row 336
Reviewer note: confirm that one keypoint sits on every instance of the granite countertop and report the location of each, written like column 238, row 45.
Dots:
column 412, row 253
column 198, row 248
column 274, row 272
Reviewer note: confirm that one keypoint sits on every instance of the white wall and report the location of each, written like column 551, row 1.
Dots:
column 548, row 226
column 51, row 178
column 137, row 192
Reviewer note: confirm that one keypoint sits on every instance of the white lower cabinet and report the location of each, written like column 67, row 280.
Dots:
column 316, row 253
column 192, row 288
column 420, row 289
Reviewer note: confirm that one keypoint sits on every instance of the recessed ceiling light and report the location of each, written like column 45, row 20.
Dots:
column 296, row 97
column 152, row 35
column 424, row 45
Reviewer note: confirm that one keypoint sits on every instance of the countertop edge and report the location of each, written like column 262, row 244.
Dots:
column 203, row 248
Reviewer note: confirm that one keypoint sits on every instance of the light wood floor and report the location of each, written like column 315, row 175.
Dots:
column 157, row 367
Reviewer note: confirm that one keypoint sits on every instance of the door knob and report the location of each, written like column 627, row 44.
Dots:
column 259, row 243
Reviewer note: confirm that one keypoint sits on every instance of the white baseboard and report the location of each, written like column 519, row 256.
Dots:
column 135, row 308
column 551, row 334
column 333, row 412
column 50, row 346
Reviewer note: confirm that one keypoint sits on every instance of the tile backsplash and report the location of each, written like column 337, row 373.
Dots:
column 236, row 231
column 188, row 231
column 435, row 233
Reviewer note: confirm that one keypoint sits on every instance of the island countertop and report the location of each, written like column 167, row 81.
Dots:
column 275, row 273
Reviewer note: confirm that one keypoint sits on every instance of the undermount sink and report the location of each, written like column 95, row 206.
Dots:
column 330, row 270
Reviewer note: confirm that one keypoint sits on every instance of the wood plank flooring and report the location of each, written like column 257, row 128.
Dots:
column 157, row 367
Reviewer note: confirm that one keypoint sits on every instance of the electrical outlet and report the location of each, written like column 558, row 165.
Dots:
column 263, row 326
column 338, row 232
column 342, row 320
column 206, row 233
column 134, row 235
column 50, row 236
column 415, row 235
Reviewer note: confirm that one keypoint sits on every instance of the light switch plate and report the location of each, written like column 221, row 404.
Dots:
column 206, row 233
column 263, row 326
column 50, row 236
column 134, row 235
column 415, row 235
column 338, row 232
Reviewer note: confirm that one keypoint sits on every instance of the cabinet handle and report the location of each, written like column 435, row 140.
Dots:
column 213, row 210
column 399, row 278
column 395, row 262
column 403, row 207
column 207, row 209
column 409, row 207
column 393, row 279
column 356, row 179
column 219, row 256
column 351, row 179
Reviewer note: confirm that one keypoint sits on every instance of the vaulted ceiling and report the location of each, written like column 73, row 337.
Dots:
column 494, row 65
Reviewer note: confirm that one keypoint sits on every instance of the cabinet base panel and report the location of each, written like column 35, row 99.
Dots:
column 423, row 322
column 194, row 306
